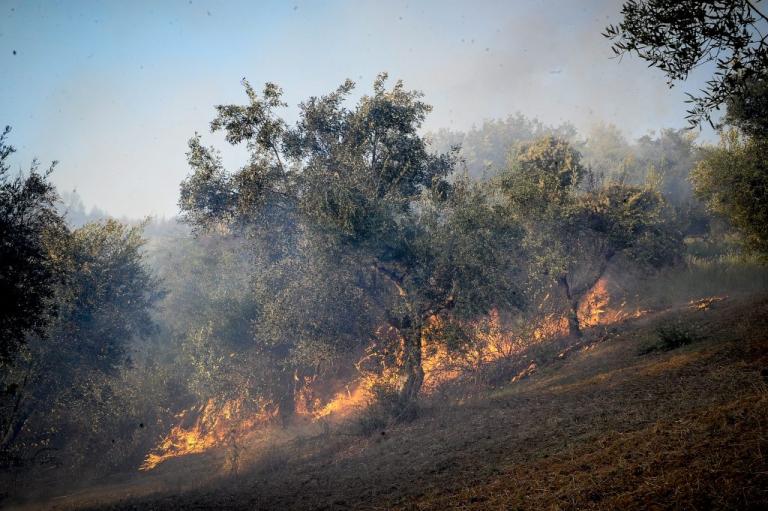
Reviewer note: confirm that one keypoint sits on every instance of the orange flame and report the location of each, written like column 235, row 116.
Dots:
column 551, row 325
column 704, row 304
column 345, row 402
column 207, row 426
column 211, row 425
column 376, row 370
column 595, row 308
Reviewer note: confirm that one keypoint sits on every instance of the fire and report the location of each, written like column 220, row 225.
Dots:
column 347, row 401
column 376, row 369
column 491, row 341
column 594, row 308
column 551, row 326
column 210, row 425
column 304, row 397
column 492, row 338
column 704, row 304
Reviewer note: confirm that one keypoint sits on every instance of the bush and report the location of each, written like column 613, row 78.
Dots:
column 385, row 407
column 372, row 420
column 674, row 335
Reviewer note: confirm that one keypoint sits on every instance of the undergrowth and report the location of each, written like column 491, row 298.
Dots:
column 672, row 335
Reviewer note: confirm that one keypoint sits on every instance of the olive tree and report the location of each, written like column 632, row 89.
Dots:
column 60, row 390
column 356, row 190
column 574, row 229
column 677, row 36
column 28, row 221
column 732, row 179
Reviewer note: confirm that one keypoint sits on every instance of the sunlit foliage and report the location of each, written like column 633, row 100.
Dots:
column 733, row 180
column 359, row 184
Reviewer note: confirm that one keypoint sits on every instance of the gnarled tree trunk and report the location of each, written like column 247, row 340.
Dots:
column 286, row 400
column 573, row 296
column 411, row 372
column 574, row 329
column 410, row 327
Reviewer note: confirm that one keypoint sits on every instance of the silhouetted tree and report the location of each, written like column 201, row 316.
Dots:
column 28, row 222
column 62, row 385
column 678, row 36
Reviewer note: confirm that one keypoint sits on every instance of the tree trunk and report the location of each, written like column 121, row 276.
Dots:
column 286, row 401
column 16, row 419
column 574, row 330
column 411, row 373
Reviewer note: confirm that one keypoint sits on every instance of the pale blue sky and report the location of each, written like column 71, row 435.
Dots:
column 115, row 89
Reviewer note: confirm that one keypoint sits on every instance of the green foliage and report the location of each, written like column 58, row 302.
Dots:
column 631, row 220
column 28, row 221
column 674, row 334
column 661, row 160
column 68, row 392
column 667, row 157
column 107, row 295
column 571, row 234
column 313, row 310
column 486, row 149
column 205, row 197
column 664, row 158
column 545, row 174
column 208, row 317
column 567, row 224
column 678, row 36
column 539, row 190
column 732, row 180
column 72, row 304
column 608, row 153
column 748, row 111
column 369, row 226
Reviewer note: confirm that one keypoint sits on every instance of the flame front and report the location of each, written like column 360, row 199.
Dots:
column 207, row 426
column 594, row 307
column 217, row 424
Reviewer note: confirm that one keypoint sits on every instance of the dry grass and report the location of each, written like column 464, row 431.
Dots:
column 710, row 458
column 593, row 426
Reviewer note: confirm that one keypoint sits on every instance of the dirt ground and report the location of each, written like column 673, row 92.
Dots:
column 599, row 426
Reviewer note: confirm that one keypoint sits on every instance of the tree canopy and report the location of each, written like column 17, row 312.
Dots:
column 732, row 179
column 361, row 184
column 678, row 36
column 28, row 222
column 570, row 227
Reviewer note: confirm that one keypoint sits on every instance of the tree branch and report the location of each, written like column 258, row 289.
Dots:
column 755, row 9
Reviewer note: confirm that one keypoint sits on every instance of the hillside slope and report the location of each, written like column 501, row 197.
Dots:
column 602, row 426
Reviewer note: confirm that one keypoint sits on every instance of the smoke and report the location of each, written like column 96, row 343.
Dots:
column 117, row 102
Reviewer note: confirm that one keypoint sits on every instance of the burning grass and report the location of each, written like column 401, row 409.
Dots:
column 597, row 307
column 211, row 425
column 598, row 428
column 576, row 405
column 601, row 428
column 221, row 424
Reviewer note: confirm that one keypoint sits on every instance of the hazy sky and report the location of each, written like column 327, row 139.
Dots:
column 115, row 89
